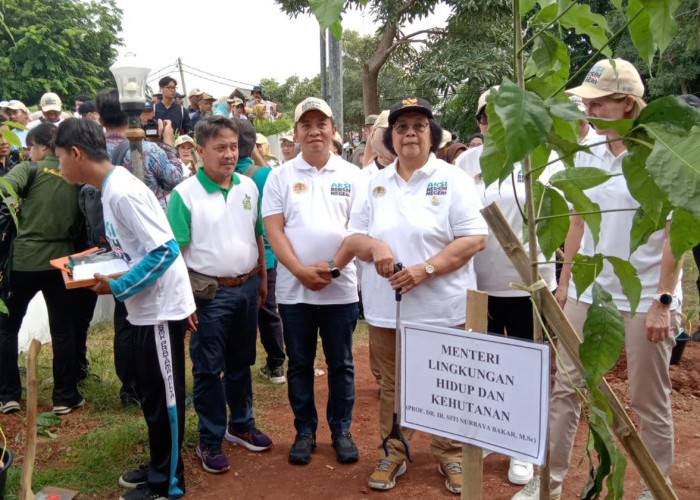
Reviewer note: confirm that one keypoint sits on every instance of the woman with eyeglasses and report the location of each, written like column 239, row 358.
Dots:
column 424, row 213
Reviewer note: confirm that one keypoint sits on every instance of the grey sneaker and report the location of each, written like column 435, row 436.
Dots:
column 531, row 491
column 9, row 407
column 274, row 375
column 452, row 471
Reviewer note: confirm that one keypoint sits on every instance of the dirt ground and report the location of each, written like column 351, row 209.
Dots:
column 269, row 475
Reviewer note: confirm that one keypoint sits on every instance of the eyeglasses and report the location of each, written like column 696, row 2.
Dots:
column 402, row 128
column 474, row 144
column 482, row 118
column 171, row 88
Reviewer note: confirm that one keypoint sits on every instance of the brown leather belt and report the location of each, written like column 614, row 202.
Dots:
column 238, row 280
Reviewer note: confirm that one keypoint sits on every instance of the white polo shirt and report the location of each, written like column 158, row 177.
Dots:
column 216, row 227
column 615, row 229
column 418, row 219
column 316, row 207
column 494, row 270
column 135, row 225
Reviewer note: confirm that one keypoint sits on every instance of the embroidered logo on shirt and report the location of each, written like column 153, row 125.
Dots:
column 478, row 179
column 246, row 203
column 435, row 200
column 299, row 188
column 54, row 172
column 436, row 188
column 111, row 234
column 379, row 191
column 341, row 189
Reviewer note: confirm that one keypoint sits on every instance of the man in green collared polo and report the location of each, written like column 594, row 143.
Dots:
column 215, row 216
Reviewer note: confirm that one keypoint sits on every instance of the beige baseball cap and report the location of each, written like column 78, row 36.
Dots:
column 17, row 106
column 578, row 102
column 194, row 92
column 50, row 102
column 382, row 120
column 309, row 104
column 236, row 101
column 261, row 139
column 181, row 139
column 482, row 99
column 446, row 137
column 287, row 136
column 608, row 77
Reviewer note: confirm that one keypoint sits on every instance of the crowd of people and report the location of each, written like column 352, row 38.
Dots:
column 314, row 239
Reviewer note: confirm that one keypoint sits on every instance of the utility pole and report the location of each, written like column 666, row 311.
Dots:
column 335, row 66
column 182, row 77
column 324, row 88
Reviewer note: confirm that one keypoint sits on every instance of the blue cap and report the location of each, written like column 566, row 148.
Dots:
column 257, row 88
column 149, row 105
column 178, row 94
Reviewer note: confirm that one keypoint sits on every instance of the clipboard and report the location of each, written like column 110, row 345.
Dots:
column 70, row 283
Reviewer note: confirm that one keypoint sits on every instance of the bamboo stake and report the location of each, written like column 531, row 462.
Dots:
column 569, row 340
column 473, row 456
column 25, row 482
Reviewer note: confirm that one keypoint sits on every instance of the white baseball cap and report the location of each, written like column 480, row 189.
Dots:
column 309, row 104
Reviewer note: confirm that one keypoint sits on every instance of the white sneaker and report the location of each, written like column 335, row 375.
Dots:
column 520, row 471
column 531, row 491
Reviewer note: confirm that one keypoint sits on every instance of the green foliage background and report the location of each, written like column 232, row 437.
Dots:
column 64, row 46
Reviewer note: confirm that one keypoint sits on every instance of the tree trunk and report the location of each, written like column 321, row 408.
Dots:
column 370, row 70
column 370, row 93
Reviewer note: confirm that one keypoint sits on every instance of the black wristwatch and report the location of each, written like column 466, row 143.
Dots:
column 664, row 298
column 335, row 272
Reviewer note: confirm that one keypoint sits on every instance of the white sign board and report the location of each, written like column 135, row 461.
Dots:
column 486, row 390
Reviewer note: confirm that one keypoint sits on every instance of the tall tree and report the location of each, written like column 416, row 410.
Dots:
column 65, row 46
column 391, row 15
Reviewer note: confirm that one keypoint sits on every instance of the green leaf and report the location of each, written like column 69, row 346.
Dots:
column 43, row 431
column 581, row 177
column 621, row 126
column 48, row 419
column 661, row 20
column 525, row 119
column 684, row 232
column 566, row 110
column 674, row 164
column 672, row 111
column 640, row 31
column 586, row 269
column 552, row 232
column 627, row 274
column 11, row 137
column 526, row 6
column 327, row 13
column 643, row 226
column 16, row 125
column 603, row 336
column 3, row 307
column 588, row 210
column 585, row 22
column 547, row 69
column 539, row 158
column 495, row 161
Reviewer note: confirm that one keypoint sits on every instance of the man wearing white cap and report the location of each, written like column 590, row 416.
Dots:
column 614, row 90
column 18, row 113
column 51, row 107
column 306, row 207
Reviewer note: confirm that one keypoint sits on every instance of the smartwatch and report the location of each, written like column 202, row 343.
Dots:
column 664, row 298
column 335, row 272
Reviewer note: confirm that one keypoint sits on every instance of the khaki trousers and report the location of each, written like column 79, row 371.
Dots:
column 650, row 393
column 382, row 343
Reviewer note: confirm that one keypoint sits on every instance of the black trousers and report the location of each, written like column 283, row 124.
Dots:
column 696, row 255
column 61, row 308
column 85, row 300
column 124, row 356
column 512, row 315
column 270, row 324
column 159, row 356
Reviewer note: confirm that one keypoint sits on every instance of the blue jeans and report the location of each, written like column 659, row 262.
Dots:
column 335, row 323
column 225, row 342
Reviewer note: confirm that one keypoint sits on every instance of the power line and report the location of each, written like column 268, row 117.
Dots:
column 227, row 84
column 218, row 76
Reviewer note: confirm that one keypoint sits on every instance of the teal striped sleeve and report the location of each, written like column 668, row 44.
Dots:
column 259, row 228
column 180, row 218
column 147, row 271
